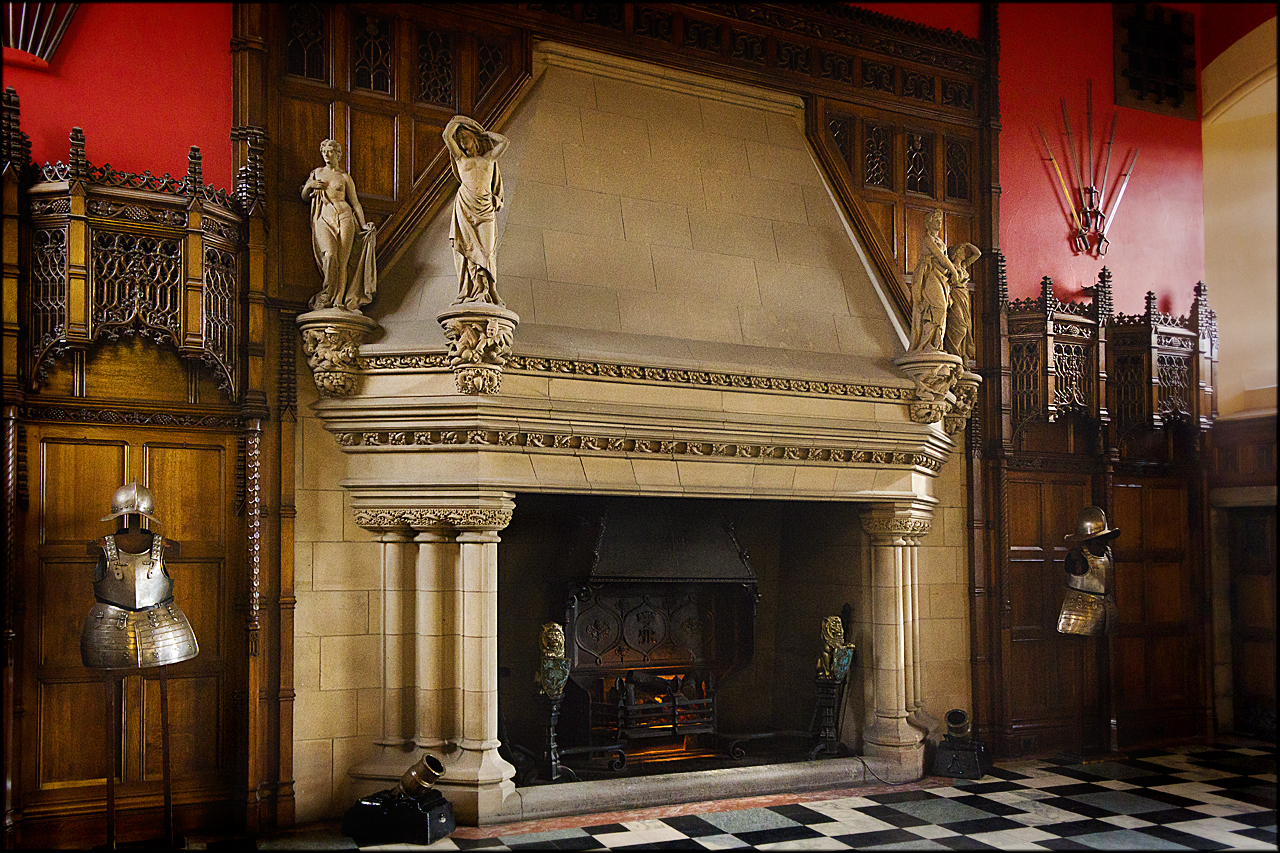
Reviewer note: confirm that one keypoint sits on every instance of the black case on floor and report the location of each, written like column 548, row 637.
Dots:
column 388, row 818
column 961, row 759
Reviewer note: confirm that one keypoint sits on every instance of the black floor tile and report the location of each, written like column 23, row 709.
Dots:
column 692, row 825
column 603, row 828
column 1072, row 828
column 1175, row 815
column 983, row 824
column 989, row 787
column 782, row 833
column 673, row 844
column 986, row 804
column 582, row 842
column 902, row 797
column 1267, row 818
column 960, row 842
column 1254, row 796
column 863, row 840
column 889, row 814
column 1062, row 844
column 1077, row 788
column 477, row 843
column 1082, row 809
column 1259, row 834
column 800, row 814
column 1176, row 801
column 1186, row 839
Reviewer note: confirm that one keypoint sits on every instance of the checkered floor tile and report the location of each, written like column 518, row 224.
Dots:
column 1209, row 797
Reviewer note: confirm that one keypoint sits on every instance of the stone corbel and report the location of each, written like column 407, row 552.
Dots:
column 331, row 339
column 945, row 391
column 479, row 335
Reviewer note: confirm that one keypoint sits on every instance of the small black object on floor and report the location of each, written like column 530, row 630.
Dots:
column 390, row 818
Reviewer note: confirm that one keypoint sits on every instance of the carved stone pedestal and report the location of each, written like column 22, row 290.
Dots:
column 935, row 375
column 966, row 394
column 331, row 339
column 480, row 336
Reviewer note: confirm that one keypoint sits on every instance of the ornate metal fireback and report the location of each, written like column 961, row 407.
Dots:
column 116, row 253
column 1157, row 367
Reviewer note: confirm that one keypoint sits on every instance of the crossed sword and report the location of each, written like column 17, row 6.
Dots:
column 1087, row 218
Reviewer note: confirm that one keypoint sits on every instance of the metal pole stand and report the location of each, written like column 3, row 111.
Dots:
column 111, row 746
column 164, row 749
column 829, row 692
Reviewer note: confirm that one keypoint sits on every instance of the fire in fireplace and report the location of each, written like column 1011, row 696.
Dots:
column 666, row 612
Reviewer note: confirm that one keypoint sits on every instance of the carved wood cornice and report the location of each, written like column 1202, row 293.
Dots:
column 620, row 446
column 422, row 362
column 62, row 413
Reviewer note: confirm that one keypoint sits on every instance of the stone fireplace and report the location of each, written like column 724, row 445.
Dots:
column 698, row 325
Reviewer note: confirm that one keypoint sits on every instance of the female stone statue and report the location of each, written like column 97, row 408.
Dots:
column 929, row 286
column 958, row 339
column 474, row 152
column 345, row 257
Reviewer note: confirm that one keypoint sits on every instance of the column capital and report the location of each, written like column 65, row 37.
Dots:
column 450, row 512
column 895, row 520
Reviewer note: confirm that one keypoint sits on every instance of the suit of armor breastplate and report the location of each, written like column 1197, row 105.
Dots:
column 134, row 622
column 1098, row 578
column 1088, row 607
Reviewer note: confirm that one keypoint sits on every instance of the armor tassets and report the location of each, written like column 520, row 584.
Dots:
column 134, row 622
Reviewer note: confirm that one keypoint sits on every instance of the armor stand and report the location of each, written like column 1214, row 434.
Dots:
column 111, row 744
column 549, row 764
column 164, row 750
column 827, row 701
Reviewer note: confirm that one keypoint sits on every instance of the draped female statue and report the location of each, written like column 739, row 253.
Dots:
column 344, row 255
column 929, row 288
column 474, row 152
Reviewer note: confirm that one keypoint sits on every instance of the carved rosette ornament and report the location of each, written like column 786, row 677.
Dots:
column 479, row 336
column 331, row 339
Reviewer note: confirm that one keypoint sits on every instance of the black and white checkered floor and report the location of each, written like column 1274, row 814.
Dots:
column 1208, row 797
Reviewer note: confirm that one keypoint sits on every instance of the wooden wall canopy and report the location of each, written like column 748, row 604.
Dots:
column 116, row 253
column 1141, row 371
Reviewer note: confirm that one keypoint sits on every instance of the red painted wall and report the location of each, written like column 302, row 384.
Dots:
column 1048, row 52
column 1223, row 24
column 145, row 81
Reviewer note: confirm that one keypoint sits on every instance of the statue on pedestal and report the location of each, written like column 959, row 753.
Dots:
column 474, row 152
column 344, row 254
column 930, row 283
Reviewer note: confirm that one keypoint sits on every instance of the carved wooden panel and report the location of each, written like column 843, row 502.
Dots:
column 76, row 468
column 1159, row 589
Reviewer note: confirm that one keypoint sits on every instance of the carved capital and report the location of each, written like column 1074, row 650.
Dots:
column 419, row 518
column 479, row 337
column 909, row 521
column 331, row 339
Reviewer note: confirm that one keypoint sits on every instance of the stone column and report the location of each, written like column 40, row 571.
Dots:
column 393, row 748
column 436, row 678
column 477, row 780
column 893, row 746
column 918, row 716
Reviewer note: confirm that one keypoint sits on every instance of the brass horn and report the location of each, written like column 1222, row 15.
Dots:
column 421, row 776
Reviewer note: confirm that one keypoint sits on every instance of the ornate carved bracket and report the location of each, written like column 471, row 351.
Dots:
column 331, row 339
column 945, row 391
column 479, row 336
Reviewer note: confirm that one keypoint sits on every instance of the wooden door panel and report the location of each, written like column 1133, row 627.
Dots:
column 1026, row 512
column 199, row 591
column 189, row 484
column 1130, row 677
column 196, row 744
column 78, row 475
column 70, row 734
column 1127, row 506
column 1169, row 678
column 1129, row 591
column 1165, row 593
column 1165, row 517
column 373, row 166
column 66, row 597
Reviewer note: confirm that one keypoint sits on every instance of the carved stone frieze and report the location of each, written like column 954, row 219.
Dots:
column 479, row 336
column 620, row 445
column 608, row 370
column 895, row 522
column 331, row 339
column 463, row 518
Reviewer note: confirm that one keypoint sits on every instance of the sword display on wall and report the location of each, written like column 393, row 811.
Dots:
column 1087, row 202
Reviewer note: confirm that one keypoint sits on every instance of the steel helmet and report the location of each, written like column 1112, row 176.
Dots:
column 132, row 499
column 1092, row 524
